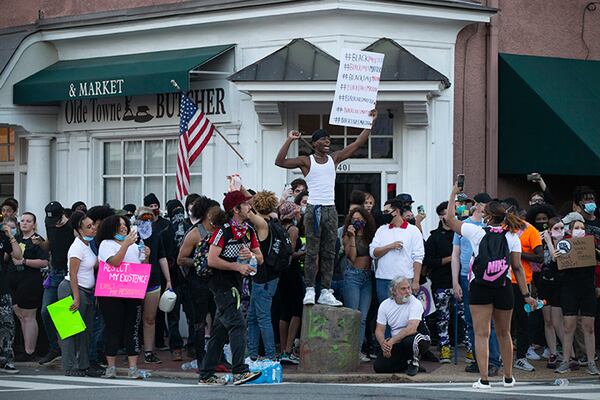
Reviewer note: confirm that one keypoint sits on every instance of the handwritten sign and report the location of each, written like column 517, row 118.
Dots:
column 576, row 253
column 356, row 88
column 129, row 280
column 67, row 322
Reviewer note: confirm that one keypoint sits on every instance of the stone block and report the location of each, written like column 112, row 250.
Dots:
column 329, row 339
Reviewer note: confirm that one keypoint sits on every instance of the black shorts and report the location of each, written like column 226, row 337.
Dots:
column 502, row 298
column 549, row 291
column 578, row 298
column 26, row 288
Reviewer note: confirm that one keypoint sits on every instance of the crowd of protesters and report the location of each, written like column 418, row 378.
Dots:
column 206, row 251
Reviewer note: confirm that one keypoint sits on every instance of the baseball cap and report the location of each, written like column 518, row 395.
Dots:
column 572, row 217
column 482, row 198
column 54, row 212
column 233, row 199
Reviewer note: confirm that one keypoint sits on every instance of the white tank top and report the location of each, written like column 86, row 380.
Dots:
column 321, row 182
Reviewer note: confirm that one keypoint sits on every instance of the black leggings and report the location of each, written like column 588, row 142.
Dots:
column 122, row 320
column 202, row 303
column 408, row 350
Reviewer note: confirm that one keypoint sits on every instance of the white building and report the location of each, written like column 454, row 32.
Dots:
column 94, row 115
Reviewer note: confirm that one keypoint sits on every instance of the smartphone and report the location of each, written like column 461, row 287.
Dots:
column 533, row 177
column 421, row 209
column 460, row 181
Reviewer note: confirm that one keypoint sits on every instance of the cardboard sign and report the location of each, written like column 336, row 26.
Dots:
column 356, row 88
column 576, row 253
column 67, row 322
column 129, row 280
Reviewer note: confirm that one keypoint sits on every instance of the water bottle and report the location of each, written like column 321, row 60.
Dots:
column 254, row 265
column 540, row 304
column 144, row 373
column 189, row 365
column 228, row 379
column 141, row 248
column 560, row 382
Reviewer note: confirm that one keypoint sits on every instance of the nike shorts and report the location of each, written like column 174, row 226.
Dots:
column 501, row 298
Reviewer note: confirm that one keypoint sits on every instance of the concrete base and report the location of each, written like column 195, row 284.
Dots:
column 329, row 339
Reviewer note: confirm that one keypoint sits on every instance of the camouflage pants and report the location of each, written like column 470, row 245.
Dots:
column 320, row 225
column 7, row 330
column 443, row 300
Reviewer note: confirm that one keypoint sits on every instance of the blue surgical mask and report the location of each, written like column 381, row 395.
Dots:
column 90, row 238
column 13, row 231
column 359, row 224
column 120, row 237
column 590, row 208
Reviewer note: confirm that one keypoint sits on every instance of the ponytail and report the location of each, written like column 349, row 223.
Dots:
column 514, row 223
column 501, row 215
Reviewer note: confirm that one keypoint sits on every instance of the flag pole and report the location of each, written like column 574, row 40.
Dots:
column 216, row 130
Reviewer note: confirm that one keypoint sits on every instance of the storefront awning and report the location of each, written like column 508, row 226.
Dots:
column 549, row 115
column 129, row 75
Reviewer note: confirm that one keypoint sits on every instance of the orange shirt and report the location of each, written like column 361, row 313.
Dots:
column 530, row 239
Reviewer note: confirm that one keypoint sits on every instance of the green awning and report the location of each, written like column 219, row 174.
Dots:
column 129, row 75
column 549, row 115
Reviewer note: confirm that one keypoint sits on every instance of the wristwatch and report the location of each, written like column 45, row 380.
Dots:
column 526, row 295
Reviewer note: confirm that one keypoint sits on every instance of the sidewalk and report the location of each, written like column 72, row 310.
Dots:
column 438, row 373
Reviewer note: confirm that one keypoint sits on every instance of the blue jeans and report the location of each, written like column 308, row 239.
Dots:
column 97, row 337
column 494, row 356
column 259, row 318
column 50, row 297
column 357, row 295
column 383, row 289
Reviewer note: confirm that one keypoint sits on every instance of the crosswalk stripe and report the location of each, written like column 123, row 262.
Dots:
column 123, row 381
column 37, row 385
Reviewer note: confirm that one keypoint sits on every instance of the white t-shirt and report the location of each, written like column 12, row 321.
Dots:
column 87, row 261
column 475, row 233
column 397, row 315
column 109, row 248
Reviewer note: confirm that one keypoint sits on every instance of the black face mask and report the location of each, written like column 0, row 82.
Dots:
column 387, row 218
column 412, row 221
column 541, row 226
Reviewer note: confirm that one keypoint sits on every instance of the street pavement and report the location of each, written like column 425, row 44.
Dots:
column 41, row 384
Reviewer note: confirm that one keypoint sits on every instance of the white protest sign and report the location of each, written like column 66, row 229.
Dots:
column 356, row 88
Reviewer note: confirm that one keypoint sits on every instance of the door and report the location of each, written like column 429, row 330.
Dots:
column 346, row 183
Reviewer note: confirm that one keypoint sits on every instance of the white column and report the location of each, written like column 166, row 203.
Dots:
column 38, row 177
column 62, row 166
column 80, row 188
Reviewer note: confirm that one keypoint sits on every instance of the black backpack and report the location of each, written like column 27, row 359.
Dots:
column 492, row 264
column 279, row 255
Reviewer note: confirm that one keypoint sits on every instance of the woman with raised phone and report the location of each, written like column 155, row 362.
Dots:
column 496, row 251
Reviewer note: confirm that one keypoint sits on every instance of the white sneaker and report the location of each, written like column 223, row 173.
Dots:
column 506, row 384
column 327, row 298
column 363, row 358
column 532, row 355
column 546, row 354
column 479, row 385
column 309, row 297
column 524, row 365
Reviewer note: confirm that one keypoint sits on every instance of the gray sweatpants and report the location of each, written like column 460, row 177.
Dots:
column 76, row 349
column 321, row 234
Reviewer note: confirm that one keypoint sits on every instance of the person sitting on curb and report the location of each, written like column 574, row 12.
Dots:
column 402, row 312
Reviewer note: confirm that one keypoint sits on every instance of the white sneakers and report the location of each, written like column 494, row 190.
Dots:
column 482, row 386
column 533, row 355
column 523, row 365
column 509, row 384
column 326, row 298
column 309, row 297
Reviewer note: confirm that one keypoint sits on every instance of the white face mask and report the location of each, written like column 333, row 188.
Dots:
column 578, row 233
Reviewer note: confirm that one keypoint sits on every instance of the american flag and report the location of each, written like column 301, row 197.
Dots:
column 195, row 130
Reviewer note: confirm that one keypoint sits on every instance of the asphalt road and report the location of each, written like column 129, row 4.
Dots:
column 35, row 385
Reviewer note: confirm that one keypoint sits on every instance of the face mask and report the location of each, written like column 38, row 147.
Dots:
column 590, row 208
column 88, row 238
column 156, row 211
column 358, row 224
column 541, row 226
column 119, row 237
column 303, row 209
column 412, row 221
column 13, row 231
column 558, row 235
column 387, row 218
column 578, row 233
column 145, row 229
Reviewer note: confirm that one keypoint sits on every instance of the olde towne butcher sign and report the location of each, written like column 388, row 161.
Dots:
column 85, row 111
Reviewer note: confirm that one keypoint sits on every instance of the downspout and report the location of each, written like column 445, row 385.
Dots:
column 491, row 116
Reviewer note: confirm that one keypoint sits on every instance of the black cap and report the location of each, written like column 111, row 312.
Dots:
column 173, row 205
column 130, row 208
column 54, row 212
column 319, row 134
column 482, row 198
column 151, row 199
column 404, row 198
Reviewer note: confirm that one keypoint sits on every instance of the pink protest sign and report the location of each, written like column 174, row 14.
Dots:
column 129, row 280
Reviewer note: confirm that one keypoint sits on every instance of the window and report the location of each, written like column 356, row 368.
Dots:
column 134, row 168
column 379, row 146
column 7, row 144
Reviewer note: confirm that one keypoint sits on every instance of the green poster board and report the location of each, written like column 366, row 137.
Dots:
column 67, row 322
